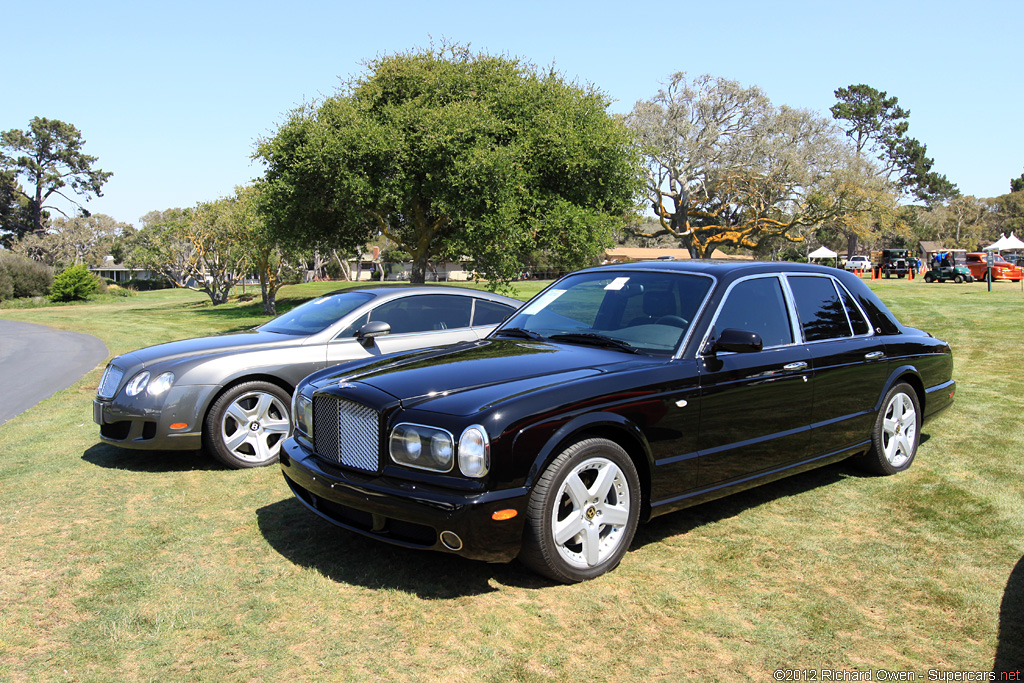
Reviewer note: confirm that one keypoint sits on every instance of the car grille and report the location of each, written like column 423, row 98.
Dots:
column 110, row 381
column 345, row 432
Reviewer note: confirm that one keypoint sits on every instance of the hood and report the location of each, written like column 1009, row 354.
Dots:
column 206, row 346
column 467, row 378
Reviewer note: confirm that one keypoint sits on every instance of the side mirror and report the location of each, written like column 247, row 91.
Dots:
column 738, row 341
column 367, row 333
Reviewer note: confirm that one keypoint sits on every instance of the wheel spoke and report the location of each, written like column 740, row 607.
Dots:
column 276, row 426
column 605, row 479
column 235, row 440
column 614, row 515
column 592, row 544
column 567, row 529
column 576, row 490
column 239, row 414
column 263, row 405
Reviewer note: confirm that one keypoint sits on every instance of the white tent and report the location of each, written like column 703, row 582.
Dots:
column 822, row 252
column 1013, row 243
column 999, row 244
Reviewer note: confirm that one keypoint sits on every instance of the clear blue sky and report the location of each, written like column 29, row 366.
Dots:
column 172, row 96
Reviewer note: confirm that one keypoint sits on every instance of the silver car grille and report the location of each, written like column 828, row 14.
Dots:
column 110, row 381
column 346, row 432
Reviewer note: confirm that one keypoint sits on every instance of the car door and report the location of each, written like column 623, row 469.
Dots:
column 754, row 407
column 416, row 321
column 848, row 362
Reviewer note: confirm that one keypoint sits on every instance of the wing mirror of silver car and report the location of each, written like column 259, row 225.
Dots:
column 367, row 333
column 738, row 341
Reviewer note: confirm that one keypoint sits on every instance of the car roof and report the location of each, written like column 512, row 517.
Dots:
column 722, row 268
column 393, row 291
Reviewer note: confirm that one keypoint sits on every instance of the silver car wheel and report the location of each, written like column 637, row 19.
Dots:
column 899, row 430
column 590, row 513
column 253, row 427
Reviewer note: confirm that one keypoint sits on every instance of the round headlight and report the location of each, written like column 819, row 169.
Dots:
column 138, row 383
column 474, row 452
column 409, row 441
column 161, row 384
column 441, row 449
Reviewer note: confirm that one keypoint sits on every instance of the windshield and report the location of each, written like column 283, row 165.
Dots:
column 316, row 315
column 648, row 312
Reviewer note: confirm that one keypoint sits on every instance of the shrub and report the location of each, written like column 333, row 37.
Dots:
column 6, row 286
column 146, row 285
column 27, row 277
column 74, row 284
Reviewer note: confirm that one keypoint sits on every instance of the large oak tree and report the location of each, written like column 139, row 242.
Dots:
column 451, row 154
column 727, row 168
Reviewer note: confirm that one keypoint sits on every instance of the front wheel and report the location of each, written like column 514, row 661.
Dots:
column 582, row 513
column 246, row 425
column 897, row 432
column 958, row 279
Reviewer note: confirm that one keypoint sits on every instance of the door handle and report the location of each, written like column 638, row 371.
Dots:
column 794, row 367
column 874, row 355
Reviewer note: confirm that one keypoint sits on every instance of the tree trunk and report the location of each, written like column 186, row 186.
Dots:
column 418, row 276
column 269, row 296
column 851, row 245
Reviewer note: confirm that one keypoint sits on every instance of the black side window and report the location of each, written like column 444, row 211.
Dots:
column 425, row 313
column 822, row 314
column 759, row 306
column 490, row 313
column 860, row 325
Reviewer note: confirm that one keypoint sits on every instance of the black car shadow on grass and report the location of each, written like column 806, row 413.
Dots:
column 1010, row 650
column 112, row 457
column 347, row 557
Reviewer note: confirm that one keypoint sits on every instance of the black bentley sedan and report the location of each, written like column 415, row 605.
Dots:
column 617, row 394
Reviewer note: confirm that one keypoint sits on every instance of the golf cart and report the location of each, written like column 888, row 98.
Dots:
column 949, row 265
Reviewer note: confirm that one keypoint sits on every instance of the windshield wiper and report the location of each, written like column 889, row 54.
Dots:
column 520, row 332
column 595, row 340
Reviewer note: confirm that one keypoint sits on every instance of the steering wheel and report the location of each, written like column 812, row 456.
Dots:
column 673, row 320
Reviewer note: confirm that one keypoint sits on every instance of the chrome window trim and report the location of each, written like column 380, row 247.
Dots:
column 787, row 297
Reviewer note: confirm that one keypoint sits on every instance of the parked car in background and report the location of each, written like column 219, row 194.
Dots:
column 231, row 393
column 617, row 394
column 858, row 263
column 977, row 262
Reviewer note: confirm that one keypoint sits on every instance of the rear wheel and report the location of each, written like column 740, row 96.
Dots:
column 897, row 432
column 583, row 512
column 929, row 277
column 246, row 425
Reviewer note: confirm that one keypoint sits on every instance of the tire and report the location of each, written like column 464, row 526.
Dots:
column 958, row 279
column 592, row 489
column 929, row 277
column 897, row 432
column 246, row 425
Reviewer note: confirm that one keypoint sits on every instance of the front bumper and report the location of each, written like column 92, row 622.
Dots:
column 406, row 513
column 145, row 423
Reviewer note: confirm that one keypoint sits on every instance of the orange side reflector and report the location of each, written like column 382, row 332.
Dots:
column 502, row 515
column 179, row 425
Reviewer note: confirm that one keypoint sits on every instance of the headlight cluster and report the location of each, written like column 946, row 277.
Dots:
column 154, row 387
column 430, row 448
column 302, row 414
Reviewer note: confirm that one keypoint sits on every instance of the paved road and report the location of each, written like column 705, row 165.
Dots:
column 37, row 362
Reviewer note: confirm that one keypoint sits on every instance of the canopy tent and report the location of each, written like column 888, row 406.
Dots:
column 998, row 244
column 822, row 252
column 1013, row 243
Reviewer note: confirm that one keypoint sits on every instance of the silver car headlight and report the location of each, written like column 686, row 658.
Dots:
column 425, row 448
column 474, row 452
column 141, row 382
column 302, row 414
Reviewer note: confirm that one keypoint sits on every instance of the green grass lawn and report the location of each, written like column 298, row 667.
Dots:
column 133, row 566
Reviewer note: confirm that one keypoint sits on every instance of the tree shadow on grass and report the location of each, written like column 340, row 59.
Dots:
column 347, row 557
column 115, row 458
column 1010, row 650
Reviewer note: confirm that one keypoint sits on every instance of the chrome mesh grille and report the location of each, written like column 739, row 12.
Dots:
column 108, row 384
column 346, row 432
